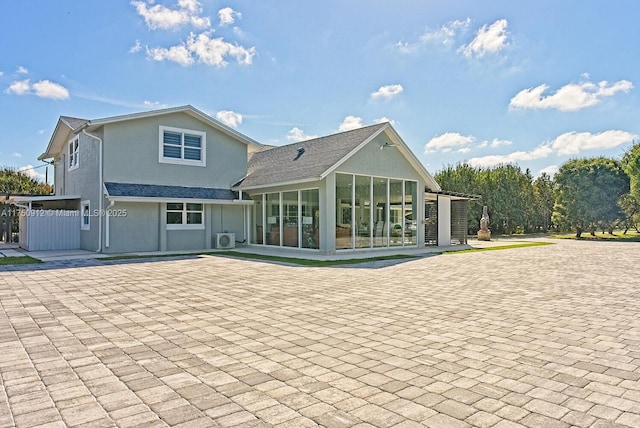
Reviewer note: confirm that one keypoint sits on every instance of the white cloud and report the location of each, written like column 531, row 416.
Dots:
column 16, row 155
column 31, row 172
column 206, row 50
column 42, row 89
column 571, row 97
column 349, row 123
column 489, row 40
column 19, row 87
column 161, row 17
column 178, row 54
column 229, row 118
column 498, row 143
column 213, row 51
column 570, row 143
column 388, row 91
column 22, row 70
column 47, row 89
column 444, row 36
column 447, row 141
column 464, row 150
column 137, row 47
column 296, row 134
column 539, row 152
column 228, row 16
column 1, row 73
column 153, row 104
column 549, row 170
column 384, row 119
column 447, row 33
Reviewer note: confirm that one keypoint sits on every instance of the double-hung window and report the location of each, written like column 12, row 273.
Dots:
column 74, row 151
column 185, row 215
column 182, row 146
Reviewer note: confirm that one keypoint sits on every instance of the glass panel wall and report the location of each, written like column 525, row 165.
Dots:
column 310, row 206
column 257, row 214
column 344, row 211
column 396, row 221
column 410, row 215
column 290, row 219
column 363, row 211
column 272, row 213
column 300, row 224
column 380, row 224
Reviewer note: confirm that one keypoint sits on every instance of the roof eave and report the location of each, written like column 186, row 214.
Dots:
column 280, row 184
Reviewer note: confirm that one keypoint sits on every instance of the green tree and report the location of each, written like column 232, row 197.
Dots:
column 464, row 178
column 17, row 182
column 587, row 192
column 13, row 182
column 507, row 190
column 631, row 165
column 544, row 202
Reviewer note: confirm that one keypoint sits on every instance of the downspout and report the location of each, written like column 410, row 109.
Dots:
column 106, row 223
column 100, row 210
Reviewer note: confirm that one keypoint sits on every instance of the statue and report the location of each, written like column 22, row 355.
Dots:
column 484, row 234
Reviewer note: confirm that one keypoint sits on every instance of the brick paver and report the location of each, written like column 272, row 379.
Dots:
column 539, row 336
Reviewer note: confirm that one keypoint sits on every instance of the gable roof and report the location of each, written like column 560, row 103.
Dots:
column 70, row 125
column 313, row 160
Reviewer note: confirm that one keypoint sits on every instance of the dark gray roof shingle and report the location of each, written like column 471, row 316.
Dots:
column 73, row 122
column 168, row 192
column 279, row 164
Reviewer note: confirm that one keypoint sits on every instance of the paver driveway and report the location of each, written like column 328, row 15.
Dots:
column 539, row 336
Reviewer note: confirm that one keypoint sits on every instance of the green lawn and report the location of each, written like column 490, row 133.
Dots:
column 277, row 259
column 618, row 236
column 21, row 260
column 317, row 263
column 500, row 247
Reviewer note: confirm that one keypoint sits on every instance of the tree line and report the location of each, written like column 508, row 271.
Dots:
column 585, row 195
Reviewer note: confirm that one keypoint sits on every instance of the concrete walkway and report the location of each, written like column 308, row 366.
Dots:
column 538, row 337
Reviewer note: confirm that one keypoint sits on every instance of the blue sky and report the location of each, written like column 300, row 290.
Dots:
column 535, row 83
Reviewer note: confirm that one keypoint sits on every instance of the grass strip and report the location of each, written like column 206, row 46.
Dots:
column 267, row 258
column 310, row 262
column 602, row 237
column 21, row 260
column 499, row 247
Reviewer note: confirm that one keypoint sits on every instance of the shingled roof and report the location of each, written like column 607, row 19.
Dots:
column 73, row 122
column 130, row 190
column 306, row 160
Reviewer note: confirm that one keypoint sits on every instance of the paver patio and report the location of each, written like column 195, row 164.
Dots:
column 540, row 336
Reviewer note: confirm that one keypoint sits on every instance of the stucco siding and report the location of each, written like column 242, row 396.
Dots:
column 132, row 149
column 182, row 240
column 83, row 181
column 228, row 218
column 137, row 230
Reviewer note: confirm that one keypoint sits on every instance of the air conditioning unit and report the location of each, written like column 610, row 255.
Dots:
column 225, row 240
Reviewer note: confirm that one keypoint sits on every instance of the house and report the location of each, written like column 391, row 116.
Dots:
column 176, row 179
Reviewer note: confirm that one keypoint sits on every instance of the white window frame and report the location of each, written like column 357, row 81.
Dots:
column 184, row 225
column 182, row 160
column 85, row 204
column 73, row 153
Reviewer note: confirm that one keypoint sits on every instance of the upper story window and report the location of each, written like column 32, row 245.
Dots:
column 182, row 146
column 74, row 157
